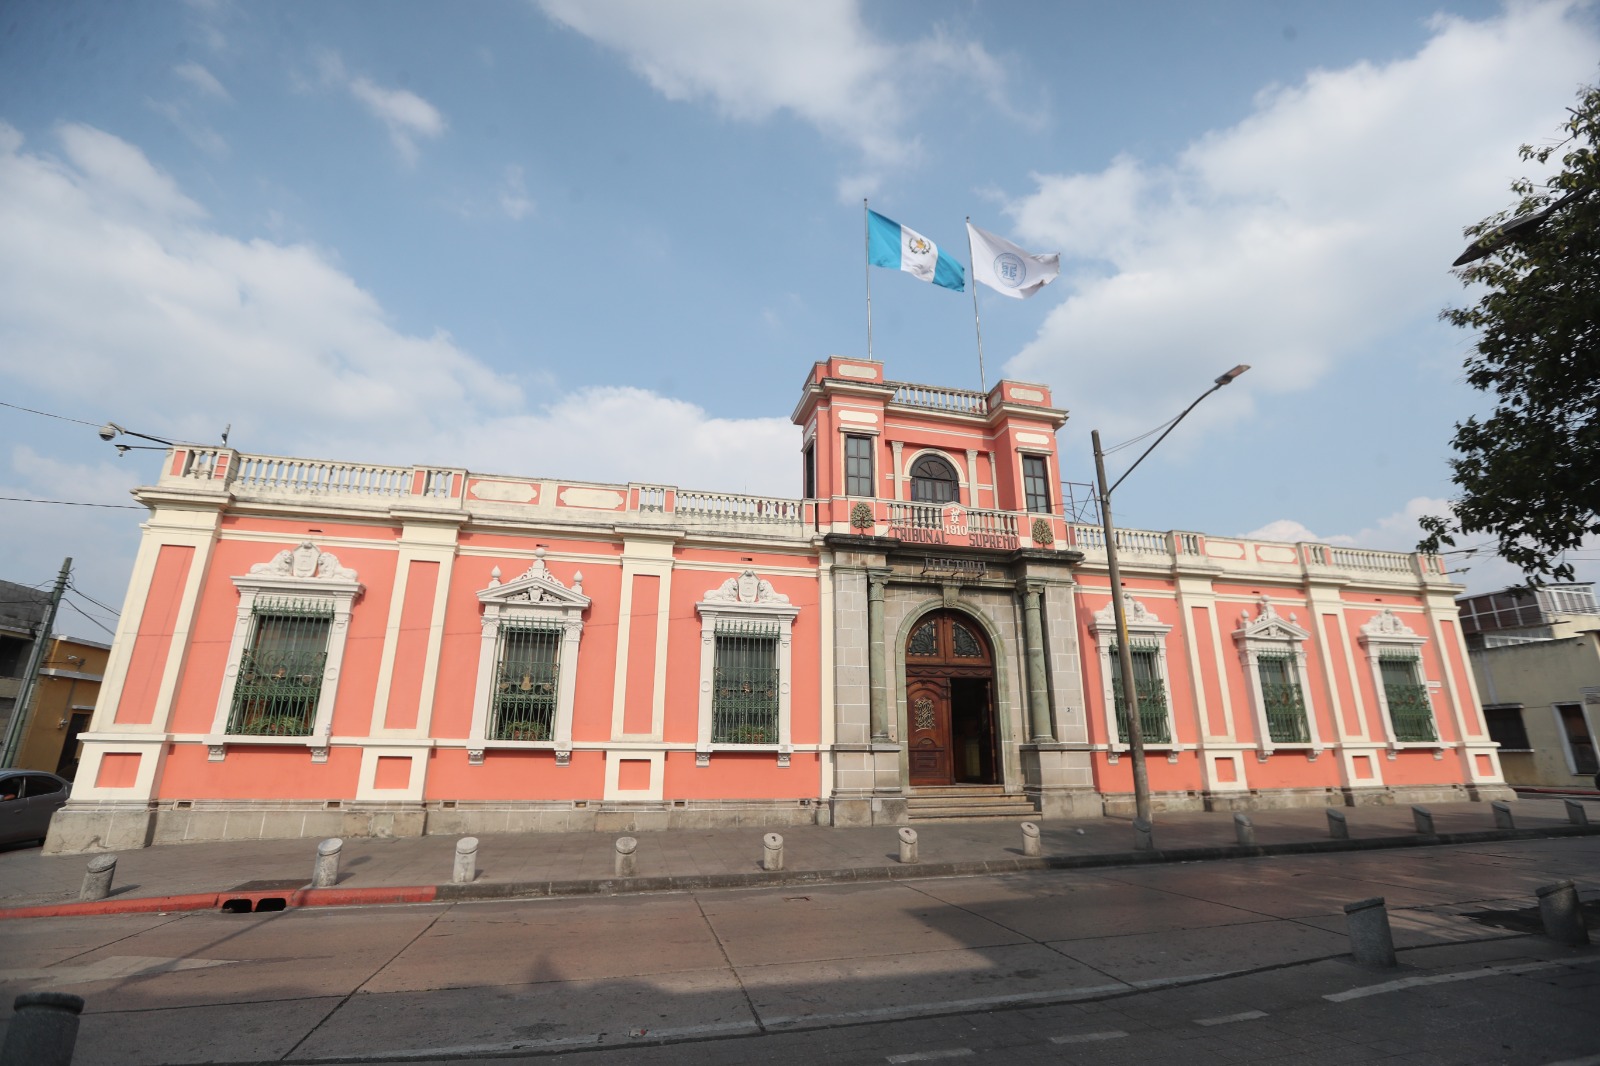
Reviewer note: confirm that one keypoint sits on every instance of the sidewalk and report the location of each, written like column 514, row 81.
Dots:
column 205, row 876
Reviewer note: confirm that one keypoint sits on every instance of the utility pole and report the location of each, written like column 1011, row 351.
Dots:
column 30, row 677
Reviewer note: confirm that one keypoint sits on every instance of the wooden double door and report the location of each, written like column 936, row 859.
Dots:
column 950, row 721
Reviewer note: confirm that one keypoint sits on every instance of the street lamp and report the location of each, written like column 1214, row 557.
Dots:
column 1130, row 694
column 111, row 431
column 1513, row 229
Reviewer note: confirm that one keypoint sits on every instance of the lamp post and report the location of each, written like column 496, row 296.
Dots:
column 1130, row 694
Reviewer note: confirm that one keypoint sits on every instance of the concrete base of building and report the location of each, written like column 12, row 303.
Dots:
column 96, row 828
column 78, row 828
column 858, row 811
column 1067, row 803
column 1121, row 804
column 1275, row 799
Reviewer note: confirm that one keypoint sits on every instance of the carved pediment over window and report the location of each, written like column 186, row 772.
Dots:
column 746, row 588
column 304, row 562
column 537, row 585
column 1386, row 625
column 1269, row 625
column 1137, row 614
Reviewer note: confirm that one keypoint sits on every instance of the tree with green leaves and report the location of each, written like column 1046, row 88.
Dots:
column 1529, row 473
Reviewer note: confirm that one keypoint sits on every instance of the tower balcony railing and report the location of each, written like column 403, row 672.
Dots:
column 934, row 398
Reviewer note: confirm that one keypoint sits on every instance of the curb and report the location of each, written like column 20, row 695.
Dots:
column 613, row 886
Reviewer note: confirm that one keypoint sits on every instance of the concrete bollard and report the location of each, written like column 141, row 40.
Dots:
column 325, row 874
column 1422, row 818
column 1502, row 815
column 1030, row 839
column 466, row 861
column 627, row 858
column 43, row 1031
column 1244, row 830
column 1367, row 922
column 1338, row 828
column 1561, row 914
column 908, row 845
column 1143, row 838
column 1576, row 814
column 772, row 852
column 97, row 880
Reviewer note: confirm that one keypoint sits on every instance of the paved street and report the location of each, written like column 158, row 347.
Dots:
column 1126, row 964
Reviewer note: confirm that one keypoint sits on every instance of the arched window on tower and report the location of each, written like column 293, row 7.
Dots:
column 933, row 480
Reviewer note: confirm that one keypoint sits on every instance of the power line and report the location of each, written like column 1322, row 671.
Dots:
column 74, row 503
column 47, row 414
column 90, row 617
column 92, row 600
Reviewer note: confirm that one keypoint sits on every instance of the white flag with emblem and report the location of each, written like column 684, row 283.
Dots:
column 1007, row 269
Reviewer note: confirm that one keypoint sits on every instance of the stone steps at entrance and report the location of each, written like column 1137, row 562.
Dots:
column 967, row 801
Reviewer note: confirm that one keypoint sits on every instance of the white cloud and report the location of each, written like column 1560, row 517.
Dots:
column 403, row 113
column 1394, row 532
column 407, row 115
column 514, row 199
column 1317, row 225
column 811, row 58
column 193, row 328
column 201, row 79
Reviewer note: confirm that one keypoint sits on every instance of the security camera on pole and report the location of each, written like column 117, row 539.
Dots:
column 1130, row 694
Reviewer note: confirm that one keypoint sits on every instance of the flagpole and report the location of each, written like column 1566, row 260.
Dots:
column 866, row 255
column 972, row 273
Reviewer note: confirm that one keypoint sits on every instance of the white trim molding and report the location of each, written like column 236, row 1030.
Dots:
column 308, row 574
column 535, row 597
column 744, row 598
column 1142, row 623
column 1272, row 634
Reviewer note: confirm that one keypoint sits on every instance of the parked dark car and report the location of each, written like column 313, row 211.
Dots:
column 27, row 800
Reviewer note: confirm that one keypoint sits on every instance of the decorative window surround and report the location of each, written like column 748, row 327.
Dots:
column 1144, row 629
column 536, row 598
column 307, row 574
column 745, row 599
column 1386, row 633
column 1270, row 634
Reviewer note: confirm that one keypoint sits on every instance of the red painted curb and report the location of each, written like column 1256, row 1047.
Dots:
column 303, row 897
column 200, row 901
column 344, row 897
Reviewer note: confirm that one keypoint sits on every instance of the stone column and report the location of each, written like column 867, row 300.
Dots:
column 1038, row 688
column 877, row 663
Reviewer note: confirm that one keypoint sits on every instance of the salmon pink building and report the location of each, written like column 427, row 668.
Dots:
column 317, row 648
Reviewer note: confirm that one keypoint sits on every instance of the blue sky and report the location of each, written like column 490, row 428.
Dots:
column 605, row 240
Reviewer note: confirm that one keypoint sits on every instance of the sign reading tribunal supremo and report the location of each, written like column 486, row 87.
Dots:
column 952, row 530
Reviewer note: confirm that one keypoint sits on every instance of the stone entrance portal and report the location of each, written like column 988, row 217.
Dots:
column 950, row 721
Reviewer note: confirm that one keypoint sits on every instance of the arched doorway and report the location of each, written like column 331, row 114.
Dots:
column 950, row 721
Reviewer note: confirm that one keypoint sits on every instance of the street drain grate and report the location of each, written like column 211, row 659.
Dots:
column 259, row 896
column 1526, row 919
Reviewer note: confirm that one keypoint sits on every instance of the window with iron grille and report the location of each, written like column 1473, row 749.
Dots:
column 527, row 679
column 281, row 670
column 808, row 474
column 1153, row 721
column 1410, row 710
column 745, row 684
column 858, row 467
column 1036, row 483
column 1279, row 674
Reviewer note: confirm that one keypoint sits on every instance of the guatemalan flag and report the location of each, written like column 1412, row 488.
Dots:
column 898, row 247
